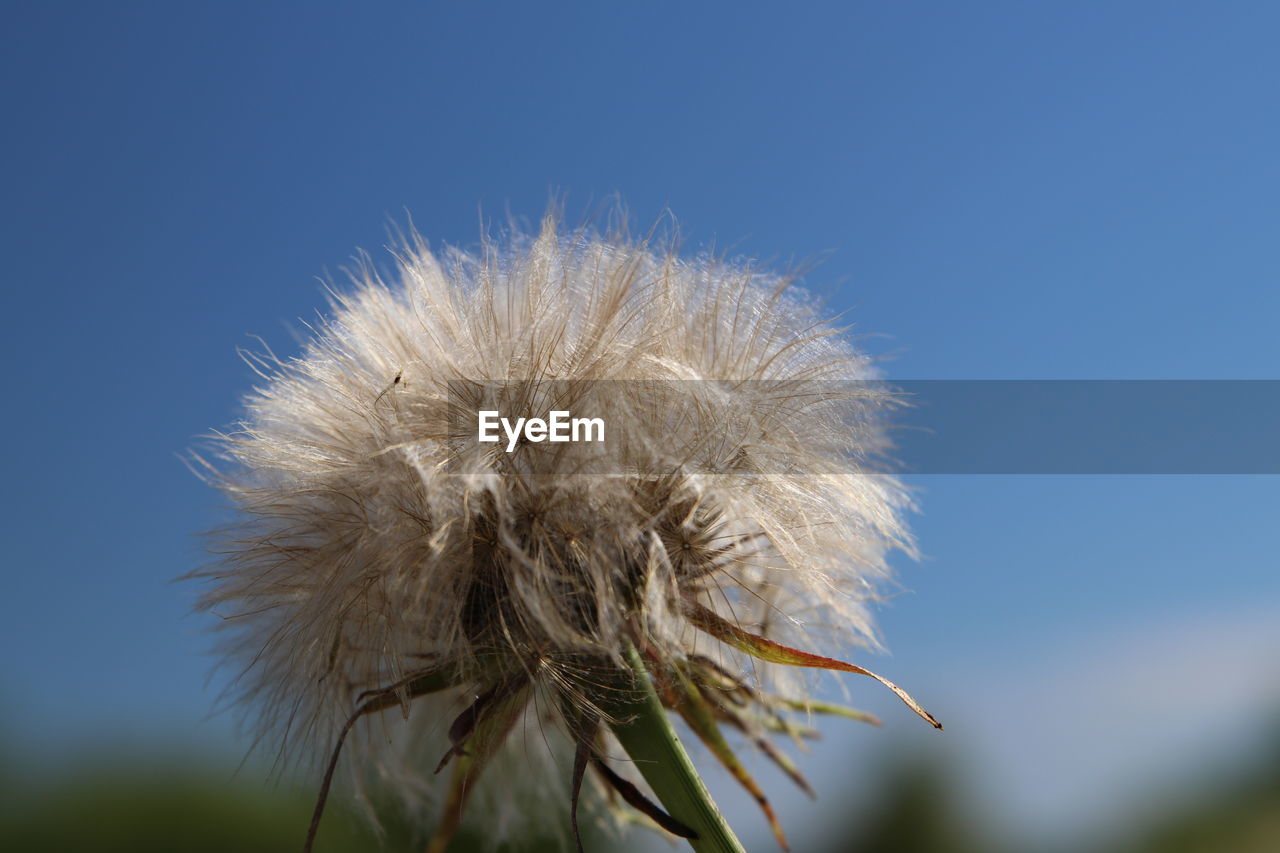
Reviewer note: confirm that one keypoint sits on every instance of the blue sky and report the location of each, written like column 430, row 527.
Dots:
column 999, row 190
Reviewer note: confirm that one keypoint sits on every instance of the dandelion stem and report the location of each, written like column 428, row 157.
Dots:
column 647, row 735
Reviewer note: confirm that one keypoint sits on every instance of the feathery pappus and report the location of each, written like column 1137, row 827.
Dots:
column 407, row 605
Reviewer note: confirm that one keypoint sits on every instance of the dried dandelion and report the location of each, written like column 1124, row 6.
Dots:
column 511, row 607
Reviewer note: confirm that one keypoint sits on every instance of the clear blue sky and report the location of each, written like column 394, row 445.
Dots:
column 1006, row 190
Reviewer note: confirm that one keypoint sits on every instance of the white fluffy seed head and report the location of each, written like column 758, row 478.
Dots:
column 373, row 537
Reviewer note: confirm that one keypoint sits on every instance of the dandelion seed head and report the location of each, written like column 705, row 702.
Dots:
column 374, row 542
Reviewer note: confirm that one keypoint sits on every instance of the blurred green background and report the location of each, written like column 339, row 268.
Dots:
column 921, row 806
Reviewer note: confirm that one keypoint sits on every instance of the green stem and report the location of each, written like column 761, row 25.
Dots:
column 645, row 732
